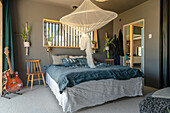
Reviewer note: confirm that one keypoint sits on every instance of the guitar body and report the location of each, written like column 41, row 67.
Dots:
column 14, row 83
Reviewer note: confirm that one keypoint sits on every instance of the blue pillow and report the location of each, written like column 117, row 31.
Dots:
column 82, row 61
column 70, row 62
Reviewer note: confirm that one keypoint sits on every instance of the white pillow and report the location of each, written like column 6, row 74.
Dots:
column 162, row 93
column 58, row 59
column 76, row 56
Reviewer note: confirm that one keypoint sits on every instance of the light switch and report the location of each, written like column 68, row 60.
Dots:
column 150, row 35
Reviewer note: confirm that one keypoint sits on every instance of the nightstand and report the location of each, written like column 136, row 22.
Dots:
column 109, row 61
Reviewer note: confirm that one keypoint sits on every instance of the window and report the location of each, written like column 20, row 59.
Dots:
column 55, row 34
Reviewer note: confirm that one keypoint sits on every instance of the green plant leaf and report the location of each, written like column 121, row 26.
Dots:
column 113, row 44
column 108, row 54
column 104, row 49
column 112, row 40
column 22, row 35
column 24, row 28
column 50, row 38
column 28, row 29
column 168, row 110
column 25, row 34
column 93, row 42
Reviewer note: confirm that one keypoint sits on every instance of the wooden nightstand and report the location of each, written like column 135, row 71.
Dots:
column 109, row 61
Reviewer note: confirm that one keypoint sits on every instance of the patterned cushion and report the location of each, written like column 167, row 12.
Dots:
column 70, row 62
column 82, row 61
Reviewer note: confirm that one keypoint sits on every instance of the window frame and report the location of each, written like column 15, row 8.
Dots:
column 95, row 38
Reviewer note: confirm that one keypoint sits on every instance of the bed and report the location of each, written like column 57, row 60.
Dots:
column 85, row 87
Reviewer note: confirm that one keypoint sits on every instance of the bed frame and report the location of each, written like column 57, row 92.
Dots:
column 94, row 92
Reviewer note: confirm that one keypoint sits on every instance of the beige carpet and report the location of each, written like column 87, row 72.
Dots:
column 42, row 100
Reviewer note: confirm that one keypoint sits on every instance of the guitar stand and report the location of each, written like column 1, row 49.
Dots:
column 5, row 93
column 18, row 93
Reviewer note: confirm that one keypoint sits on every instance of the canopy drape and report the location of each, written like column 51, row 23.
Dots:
column 86, row 18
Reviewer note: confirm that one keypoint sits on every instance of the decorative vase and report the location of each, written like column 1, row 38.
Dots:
column 26, row 44
column 50, row 43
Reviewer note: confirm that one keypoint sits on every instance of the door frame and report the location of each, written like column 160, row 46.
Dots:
column 124, row 38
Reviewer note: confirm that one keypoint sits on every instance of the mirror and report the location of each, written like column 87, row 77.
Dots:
column 133, row 42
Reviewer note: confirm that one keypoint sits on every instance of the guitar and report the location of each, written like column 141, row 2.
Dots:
column 13, row 83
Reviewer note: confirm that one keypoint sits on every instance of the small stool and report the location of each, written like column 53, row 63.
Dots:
column 109, row 61
column 34, row 68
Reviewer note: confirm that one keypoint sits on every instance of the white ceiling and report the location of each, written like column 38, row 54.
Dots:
column 118, row 6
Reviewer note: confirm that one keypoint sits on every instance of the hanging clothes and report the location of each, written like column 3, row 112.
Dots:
column 114, row 51
column 117, row 56
column 120, row 45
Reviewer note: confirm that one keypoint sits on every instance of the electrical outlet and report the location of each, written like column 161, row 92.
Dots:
column 150, row 35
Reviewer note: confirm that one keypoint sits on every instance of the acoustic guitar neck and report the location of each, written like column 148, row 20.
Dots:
column 8, row 59
column 9, row 63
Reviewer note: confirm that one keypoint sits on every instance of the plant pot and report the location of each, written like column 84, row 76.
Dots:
column 107, row 48
column 26, row 44
column 50, row 43
column 93, row 45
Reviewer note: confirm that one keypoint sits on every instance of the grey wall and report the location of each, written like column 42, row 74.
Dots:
column 33, row 12
column 150, row 11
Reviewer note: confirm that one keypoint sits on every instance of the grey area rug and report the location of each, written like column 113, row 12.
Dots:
column 42, row 100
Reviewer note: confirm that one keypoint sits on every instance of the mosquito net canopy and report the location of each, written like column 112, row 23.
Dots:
column 86, row 18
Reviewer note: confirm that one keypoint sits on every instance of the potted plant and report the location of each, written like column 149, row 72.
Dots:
column 93, row 43
column 50, row 38
column 108, row 43
column 25, row 35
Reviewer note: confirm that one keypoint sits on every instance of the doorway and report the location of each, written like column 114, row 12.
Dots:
column 133, row 44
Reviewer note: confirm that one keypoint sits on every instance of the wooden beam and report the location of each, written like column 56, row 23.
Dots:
column 96, row 39
column 143, row 45
column 131, row 46
column 124, row 45
column 138, row 25
column 1, row 49
column 134, row 22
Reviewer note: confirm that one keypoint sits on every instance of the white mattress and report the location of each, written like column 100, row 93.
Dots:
column 94, row 92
